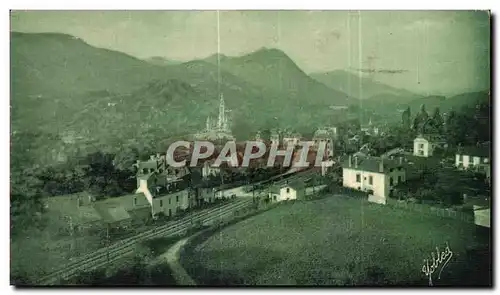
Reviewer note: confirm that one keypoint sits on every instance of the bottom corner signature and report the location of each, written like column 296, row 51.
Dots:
column 445, row 256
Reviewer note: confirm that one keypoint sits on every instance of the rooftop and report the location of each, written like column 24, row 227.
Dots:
column 296, row 185
column 478, row 151
column 111, row 214
column 371, row 164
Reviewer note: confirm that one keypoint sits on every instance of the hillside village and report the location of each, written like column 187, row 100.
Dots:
column 423, row 170
column 163, row 191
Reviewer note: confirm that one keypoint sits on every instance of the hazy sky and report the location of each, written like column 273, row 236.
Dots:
column 423, row 51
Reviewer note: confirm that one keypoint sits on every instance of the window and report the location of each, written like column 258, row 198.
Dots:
column 358, row 177
column 135, row 201
column 161, row 203
column 169, row 201
column 399, row 178
column 390, row 181
column 421, row 146
column 169, row 212
column 177, row 199
column 370, row 180
column 486, row 160
column 287, row 190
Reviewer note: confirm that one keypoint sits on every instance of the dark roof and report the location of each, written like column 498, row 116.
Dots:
column 164, row 191
column 275, row 189
column 112, row 214
column 478, row 151
column 371, row 164
column 296, row 185
column 431, row 137
column 149, row 164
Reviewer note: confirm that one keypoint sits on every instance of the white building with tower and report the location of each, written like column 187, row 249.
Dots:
column 220, row 129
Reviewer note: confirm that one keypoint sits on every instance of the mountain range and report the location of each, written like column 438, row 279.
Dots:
column 162, row 61
column 61, row 85
column 360, row 87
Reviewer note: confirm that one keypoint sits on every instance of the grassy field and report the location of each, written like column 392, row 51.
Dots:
column 337, row 241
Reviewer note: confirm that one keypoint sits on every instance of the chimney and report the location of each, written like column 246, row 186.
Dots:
column 350, row 161
column 355, row 162
column 381, row 166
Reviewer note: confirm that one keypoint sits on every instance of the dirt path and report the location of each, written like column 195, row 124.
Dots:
column 172, row 258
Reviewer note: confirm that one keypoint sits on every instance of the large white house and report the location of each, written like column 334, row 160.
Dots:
column 472, row 157
column 162, row 186
column 373, row 174
column 423, row 146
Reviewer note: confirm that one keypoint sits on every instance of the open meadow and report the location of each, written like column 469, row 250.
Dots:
column 338, row 241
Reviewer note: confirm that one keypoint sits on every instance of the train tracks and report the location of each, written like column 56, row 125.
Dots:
column 124, row 247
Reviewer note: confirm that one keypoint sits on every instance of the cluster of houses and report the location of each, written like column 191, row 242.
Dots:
column 165, row 190
column 379, row 175
column 285, row 138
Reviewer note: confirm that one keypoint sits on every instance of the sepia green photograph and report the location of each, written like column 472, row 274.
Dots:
column 257, row 148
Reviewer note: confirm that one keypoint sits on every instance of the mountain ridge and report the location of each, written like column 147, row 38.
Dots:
column 359, row 86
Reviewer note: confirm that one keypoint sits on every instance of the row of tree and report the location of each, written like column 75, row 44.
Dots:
column 469, row 125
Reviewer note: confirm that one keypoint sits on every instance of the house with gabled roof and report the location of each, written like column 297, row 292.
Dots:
column 375, row 175
column 163, row 186
column 287, row 191
column 472, row 157
column 423, row 146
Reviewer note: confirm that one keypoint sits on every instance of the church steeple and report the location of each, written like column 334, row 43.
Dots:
column 221, row 123
column 209, row 127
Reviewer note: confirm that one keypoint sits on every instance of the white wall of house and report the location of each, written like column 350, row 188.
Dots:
column 379, row 183
column 482, row 216
column 274, row 197
column 171, row 203
column 422, row 147
column 364, row 181
column 287, row 193
column 207, row 195
column 143, row 188
column 466, row 161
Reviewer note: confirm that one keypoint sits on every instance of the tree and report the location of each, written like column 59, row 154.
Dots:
column 437, row 120
column 25, row 200
column 406, row 118
column 125, row 158
column 420, row 119
column 242, row 129
column 101, row 177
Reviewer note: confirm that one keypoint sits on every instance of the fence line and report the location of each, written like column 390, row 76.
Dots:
column 431, row 210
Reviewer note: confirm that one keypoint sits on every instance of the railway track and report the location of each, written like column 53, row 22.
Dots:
column 124, row 247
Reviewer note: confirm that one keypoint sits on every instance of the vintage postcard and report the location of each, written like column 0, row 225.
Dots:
column 250, row 148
